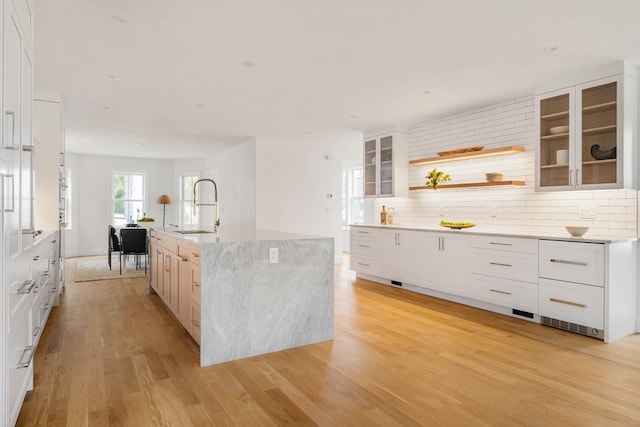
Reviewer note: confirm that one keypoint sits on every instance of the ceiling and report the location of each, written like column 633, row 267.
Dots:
column 182, row 79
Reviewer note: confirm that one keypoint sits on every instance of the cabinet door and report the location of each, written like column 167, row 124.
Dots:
column 371, row 168
column 555, row 140
column 599, row 141
column 174, row 282
column 455, row 264
column 411, row 257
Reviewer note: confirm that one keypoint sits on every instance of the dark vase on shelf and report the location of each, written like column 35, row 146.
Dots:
column 599, row 154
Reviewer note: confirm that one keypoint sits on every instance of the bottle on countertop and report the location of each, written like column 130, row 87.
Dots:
column 391, row 214
column 384, row 216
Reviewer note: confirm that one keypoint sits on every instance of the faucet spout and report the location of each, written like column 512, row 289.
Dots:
column 216, row 224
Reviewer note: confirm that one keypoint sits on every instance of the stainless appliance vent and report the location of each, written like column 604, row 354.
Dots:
column 573, row 327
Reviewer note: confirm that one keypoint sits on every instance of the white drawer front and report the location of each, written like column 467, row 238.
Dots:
column 572, row 262
column 510, row 244
column 366, row 232
column 571, row 302
column 514, row 265
column 505, row 293
column 366, row 247
column 365, row 265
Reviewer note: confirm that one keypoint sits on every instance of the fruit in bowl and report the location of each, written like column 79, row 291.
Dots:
column 456, row 225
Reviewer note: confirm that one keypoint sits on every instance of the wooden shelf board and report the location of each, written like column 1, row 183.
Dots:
column 555, row 137
column 471, row 184
column 556, row 116
column 599, row 162
column 605, row 106
column 469, row 155
column 565, row 165
column 602, row 129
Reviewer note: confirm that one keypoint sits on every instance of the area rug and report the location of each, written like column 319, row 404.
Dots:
column 93, row 268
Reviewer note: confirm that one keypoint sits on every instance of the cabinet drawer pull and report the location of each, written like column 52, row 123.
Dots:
column 366, row 265
column 363, row 232
column 500, row 292
column 500, row 264
column 30, row 350
column 561, row 301
column 562, row 261
column 195, row 254
column 197, row 285
column 36, row 258
column 501, row 244
column 184, row 259
column 26, row 287
column 364, row 246
column 36, row 331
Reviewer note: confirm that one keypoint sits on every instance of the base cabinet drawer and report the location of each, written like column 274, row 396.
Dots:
column 365, row 265
column 505, row 292
column 503, row 243
column 572, row 262
column 572, row 302
column 508, row 265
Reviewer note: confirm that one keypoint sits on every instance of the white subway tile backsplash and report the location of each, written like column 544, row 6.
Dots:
column 506, row 208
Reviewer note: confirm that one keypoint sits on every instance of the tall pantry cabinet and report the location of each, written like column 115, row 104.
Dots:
column 28, row 262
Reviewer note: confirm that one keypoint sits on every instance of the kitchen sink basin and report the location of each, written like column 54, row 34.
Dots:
column 193, row 231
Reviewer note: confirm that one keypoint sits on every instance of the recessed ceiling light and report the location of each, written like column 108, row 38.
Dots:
column 112, row 77
column 307, row 133
column 139, row 144
column 201, row 106
column 353, row 117
column 119, row 20
column 426, row 92
column 551, row 48
column 248, row 63
column 106, row 107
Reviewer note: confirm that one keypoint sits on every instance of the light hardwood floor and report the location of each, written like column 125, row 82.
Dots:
column 112, row 355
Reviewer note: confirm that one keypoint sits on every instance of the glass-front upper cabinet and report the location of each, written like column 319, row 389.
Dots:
column 583, row 136
column 386, row 165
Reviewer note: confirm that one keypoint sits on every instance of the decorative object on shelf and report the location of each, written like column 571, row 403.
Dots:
column 493, row 176
column 599, row 154
column 562, row 157
column 384, row 216
column 456, row 225
column 435, row 177
column 576, row 231
column 461, row 150
column 164, row 200
column 556, row 130
column 373, row 160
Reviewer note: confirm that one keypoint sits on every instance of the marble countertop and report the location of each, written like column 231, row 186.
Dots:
column 230, row 236
column 486, row 231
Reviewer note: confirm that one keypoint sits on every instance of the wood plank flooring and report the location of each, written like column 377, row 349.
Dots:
column 112, row 355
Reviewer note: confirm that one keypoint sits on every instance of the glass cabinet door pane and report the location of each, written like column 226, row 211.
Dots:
column 599, row 134
column 555, row 152
column 370, row 168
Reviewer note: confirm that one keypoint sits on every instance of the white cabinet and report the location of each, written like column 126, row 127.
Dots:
column 589, row 288
column 586, row 135
column 408, row 256
column 386, row 165
column 366, row 253
column 505, row 273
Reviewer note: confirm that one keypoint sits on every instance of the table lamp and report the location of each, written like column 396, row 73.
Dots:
column 163, row 200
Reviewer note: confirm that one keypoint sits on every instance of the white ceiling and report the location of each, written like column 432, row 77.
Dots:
column 173, row 75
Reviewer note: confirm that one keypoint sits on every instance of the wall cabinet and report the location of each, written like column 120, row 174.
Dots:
column 586, row 135
column 385, row 164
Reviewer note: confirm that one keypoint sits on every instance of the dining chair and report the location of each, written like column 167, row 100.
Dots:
column 133, row 241
column 114, row 243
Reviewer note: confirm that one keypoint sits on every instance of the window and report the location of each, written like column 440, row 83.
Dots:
column 128, row 198
column 187, row 216
column 352, row 200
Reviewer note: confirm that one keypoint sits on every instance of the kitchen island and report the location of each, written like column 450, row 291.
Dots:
column 245, row 293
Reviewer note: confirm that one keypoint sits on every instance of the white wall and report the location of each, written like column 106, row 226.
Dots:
column 502, row 208
column 299, row 184
column 91, row 196
column 236, row 181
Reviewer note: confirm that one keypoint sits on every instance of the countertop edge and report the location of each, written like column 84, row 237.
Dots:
column 471, row 232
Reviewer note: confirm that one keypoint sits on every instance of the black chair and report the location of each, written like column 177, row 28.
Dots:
column 133, row 241
column 114, row 243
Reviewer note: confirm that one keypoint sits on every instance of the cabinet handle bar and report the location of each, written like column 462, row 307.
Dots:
column 563, row 261
column 561, row 301
column 501, row 244
column 28, row 349
column 501, row 264
column 500, row 292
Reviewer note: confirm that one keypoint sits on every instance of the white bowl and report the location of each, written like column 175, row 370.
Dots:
column 576, row 231
column 559, row 129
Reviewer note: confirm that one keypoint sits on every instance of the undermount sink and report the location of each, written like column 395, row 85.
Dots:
column 193, row 231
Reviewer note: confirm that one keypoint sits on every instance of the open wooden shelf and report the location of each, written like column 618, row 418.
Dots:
column 468, row 155
column 471, row 184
